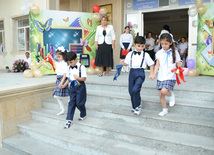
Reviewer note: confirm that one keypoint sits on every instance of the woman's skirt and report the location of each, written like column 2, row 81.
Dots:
column 168, row 84
column 126, row 45
column 104, row 55
column 61, row 92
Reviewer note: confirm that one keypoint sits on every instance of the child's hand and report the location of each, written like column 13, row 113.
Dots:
column 179, row 64
column 60, row 86
column 152, row 77
column 63, row 86
column 76, row 77
column 122, row 62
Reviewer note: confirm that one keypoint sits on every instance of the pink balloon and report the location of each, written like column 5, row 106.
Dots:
column 185, row 71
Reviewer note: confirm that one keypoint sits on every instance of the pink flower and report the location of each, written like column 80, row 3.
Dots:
column 15, row 65
column 16, row 70
column 21, row 70
column 21, row 65
column 13, row 71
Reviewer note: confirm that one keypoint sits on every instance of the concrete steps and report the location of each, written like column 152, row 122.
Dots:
column 4, row 151
column 136, row 134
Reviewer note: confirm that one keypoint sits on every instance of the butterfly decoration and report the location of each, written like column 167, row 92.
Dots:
column 209, row 52
column 89, row 22
column 66, row 19
column 208, row 41
column 209, row 23
column 85, row 43
column 44, row 27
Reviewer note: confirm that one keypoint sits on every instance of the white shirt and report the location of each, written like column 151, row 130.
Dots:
column 61, row 67
column 150, row 41
column 164, row 72
column 28, row 60
column 126, row 38
column 75, row 71
column 109, row 37
column 137, row 60
column 182, row 47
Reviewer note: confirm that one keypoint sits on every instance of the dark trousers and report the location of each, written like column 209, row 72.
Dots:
column 136, row 79
column 77, row 99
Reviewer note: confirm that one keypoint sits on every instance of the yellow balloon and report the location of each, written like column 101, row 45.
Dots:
column 199, row 2
column 197, row 71
column 38, row 73
column 103, row 11
column 96, row 17
column 97, row 70
column 33, row 66
column 201, row 9
column 34, row 9
column 192, row 72
column 28, row 73
column 90, row 71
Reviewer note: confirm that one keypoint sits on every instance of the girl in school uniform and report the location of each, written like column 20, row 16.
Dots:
column 61, row 70
column 166, row 59
column 126, row 42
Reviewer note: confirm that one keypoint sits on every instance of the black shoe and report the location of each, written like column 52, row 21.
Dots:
column 68, row 124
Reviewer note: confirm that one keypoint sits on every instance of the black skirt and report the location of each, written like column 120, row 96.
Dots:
column 126, row 45
column 104, row 55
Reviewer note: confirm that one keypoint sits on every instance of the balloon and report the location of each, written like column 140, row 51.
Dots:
column 28, row 73
column 192, row 72
column 191, row 64
column 194, row 23
column 90, row 71
column 97, row 70
column 197, row 71
column 96, row 8
column 25, row 9
column 130, row 24
column 185, row 71
column 38, row 73
column 28, row 2
column 92, row 63
column 103, row 11
column 96, row 17
column 33, row 66
column 34, row 9
column 201, row 9
column 192, row 11
column 135, row 26
column 199, row 2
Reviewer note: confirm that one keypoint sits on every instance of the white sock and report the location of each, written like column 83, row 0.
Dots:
column 61, row 104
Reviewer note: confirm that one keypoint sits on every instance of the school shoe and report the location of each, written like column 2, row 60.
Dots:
column 137, row 111
column 61, row 113
column 133, row 110
column 68, row 124
column 172, row 99
column 81, row 118
column 163, row 112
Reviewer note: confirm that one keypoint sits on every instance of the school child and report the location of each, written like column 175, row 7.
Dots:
column 137, row 61
column 166, row 59
column 126, row 42
column 76, row 74
column 61, row 69
column 7, row 69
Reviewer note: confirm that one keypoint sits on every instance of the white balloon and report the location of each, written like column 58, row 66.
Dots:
column 195, row 23
column 192, row 11
column 25, row 9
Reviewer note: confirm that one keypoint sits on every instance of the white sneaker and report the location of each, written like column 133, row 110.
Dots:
column 163, row 112
column 139, row 107
column 61, row 113
column 137, row 111
column 172, row 99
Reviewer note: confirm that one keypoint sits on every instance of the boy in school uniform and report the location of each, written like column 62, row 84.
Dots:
column 137, row 61
column 76, row 75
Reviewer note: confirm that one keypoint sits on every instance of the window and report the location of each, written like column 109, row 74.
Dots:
column 23, row 35
column 2, row 42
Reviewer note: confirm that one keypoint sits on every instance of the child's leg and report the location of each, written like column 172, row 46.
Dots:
column 131, row 85
column 71, row 105
column 61, row 104
column 81, row 99
column 162, row 93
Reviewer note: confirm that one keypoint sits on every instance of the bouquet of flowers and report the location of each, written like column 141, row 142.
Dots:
column 20, row 65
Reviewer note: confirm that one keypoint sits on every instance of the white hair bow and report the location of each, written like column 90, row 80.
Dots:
column 61, row 48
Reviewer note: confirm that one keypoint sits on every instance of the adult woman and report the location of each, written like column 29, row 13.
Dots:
column 126, row 42
column 105, row 44
column 150, row 45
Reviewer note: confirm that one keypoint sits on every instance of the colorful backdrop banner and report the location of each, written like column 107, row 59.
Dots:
column 51, row 29
column 205, row 51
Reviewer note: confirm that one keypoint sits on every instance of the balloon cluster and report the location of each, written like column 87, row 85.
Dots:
column 98, row 12
column 93, row 69
column 30, row 6
column 33, row 71
column 198, row 8
column 191, row 71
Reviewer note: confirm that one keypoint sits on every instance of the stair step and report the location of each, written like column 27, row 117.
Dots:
column 4, row 151
column 137, row 134
column 25, row 145
column 172, row 121
column 80, row 142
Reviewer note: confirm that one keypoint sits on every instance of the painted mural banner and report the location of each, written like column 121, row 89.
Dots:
column 205, row 48
column 75, row 31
